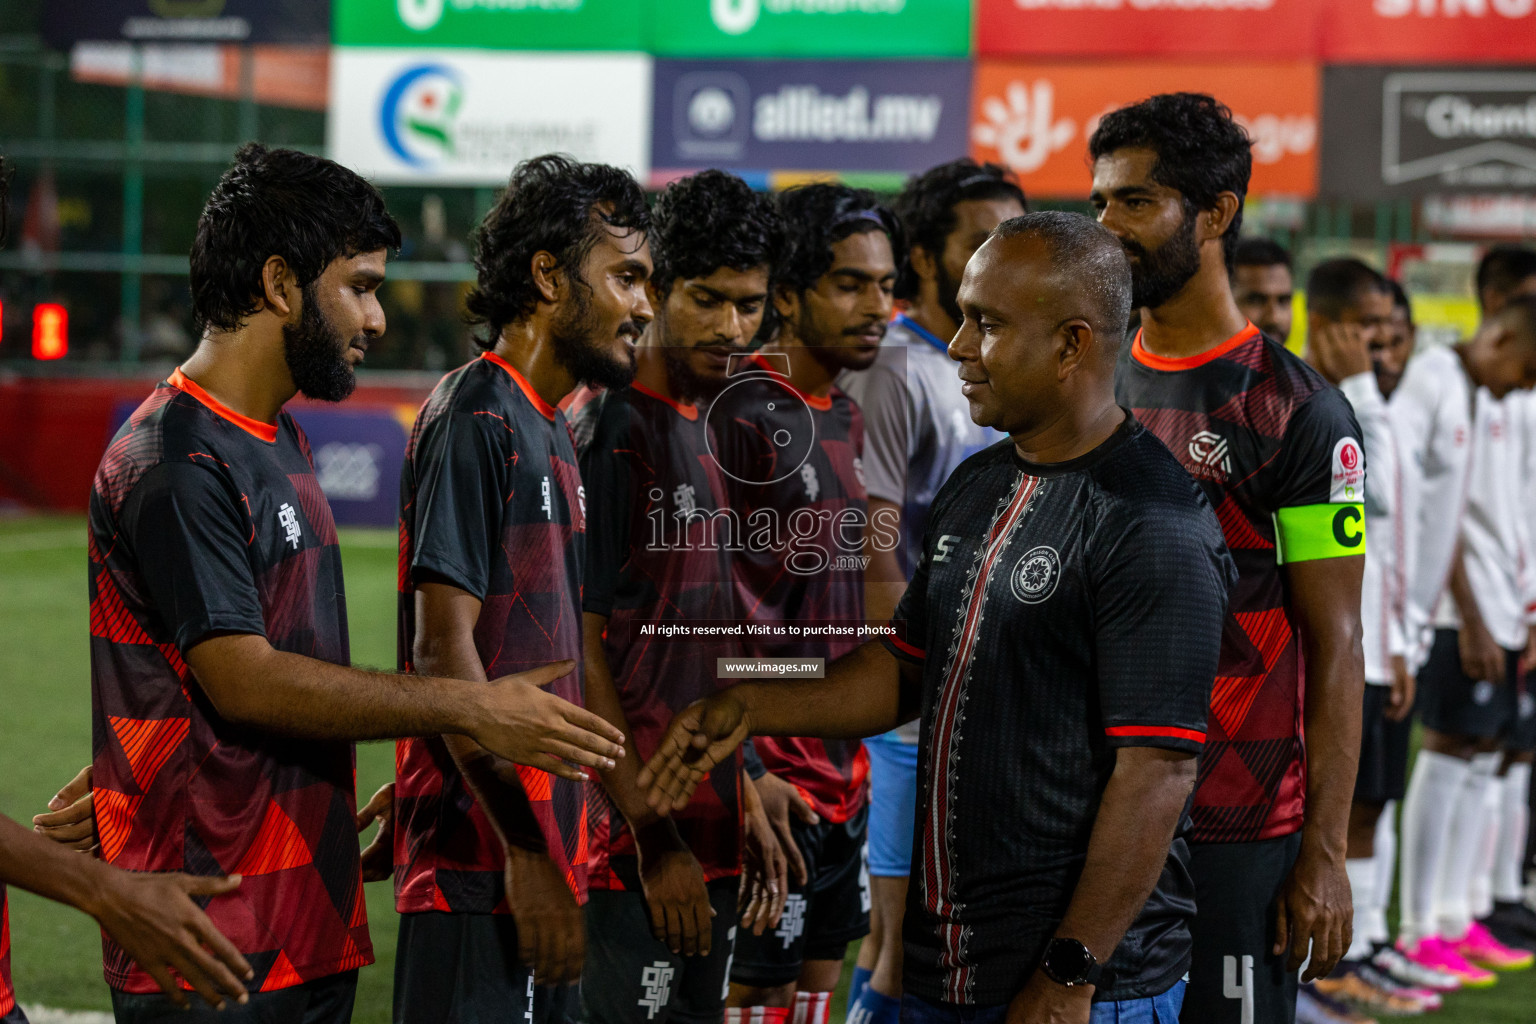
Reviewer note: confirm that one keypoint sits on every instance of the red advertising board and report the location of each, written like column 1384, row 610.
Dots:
column 1037, row 116
column 1412, row 31
column 1140, row 28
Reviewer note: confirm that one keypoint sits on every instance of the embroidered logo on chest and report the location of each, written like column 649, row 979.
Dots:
column 1035, row 576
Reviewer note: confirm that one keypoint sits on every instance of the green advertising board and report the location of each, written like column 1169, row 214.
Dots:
column 492, row 24
column 810, row 28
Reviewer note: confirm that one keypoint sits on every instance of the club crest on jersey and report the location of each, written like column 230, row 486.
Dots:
column 1348, row 472
column 1035, row 577
column 1212, row 460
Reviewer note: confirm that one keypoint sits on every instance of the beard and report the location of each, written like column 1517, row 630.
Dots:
column 316, row 354
column 578, row 350
column 683, row 382
column 1159, row 274
column 949, row 292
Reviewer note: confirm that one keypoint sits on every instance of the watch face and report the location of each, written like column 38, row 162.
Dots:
column 1068, row 961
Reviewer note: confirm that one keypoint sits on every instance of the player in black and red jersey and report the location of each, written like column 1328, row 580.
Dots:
column 661, row 913
column 222, row 704
column 790, row 444
column 1278, row 453
column 1059, row 638
column 152, row 917
column 490, row 857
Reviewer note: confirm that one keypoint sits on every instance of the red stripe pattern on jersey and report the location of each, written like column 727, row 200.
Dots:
column 938, row 828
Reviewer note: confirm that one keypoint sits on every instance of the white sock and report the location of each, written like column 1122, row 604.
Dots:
column 1432, row 792
column 1464, row 849
column 1386, row 871
column 1480, row 886
column 1362, row 892
column 1514, row 822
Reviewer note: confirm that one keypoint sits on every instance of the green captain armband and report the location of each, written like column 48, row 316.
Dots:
column 1306, row 533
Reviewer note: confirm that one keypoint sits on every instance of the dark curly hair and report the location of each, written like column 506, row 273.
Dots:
column 552, row 204
column 927, row 204
column 279, row 202
column 1504, row 268
column 1201, row 150
column 711, row 220
column 1334, row 285
column 819, row 216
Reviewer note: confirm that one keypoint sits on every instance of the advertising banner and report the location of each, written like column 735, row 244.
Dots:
column 1037, row 117
column 1148, row 28
column 1416, row 31
column 847, row 115
column 466, row 117
column 793, row 28
column 280, row 76
column 1393, row 132
column 492, row 24
column 301, row 22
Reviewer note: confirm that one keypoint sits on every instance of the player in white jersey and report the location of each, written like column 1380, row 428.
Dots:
column 1349, row 312
column 917, row 429
column 1507, row 272
column 1453, row 433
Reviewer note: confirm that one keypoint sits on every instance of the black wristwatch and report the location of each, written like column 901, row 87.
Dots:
column 1068, row 962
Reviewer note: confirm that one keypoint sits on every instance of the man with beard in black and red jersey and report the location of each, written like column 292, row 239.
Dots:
column 791, row 445
column 223, row 704
column 1278, row 453
column 663, row 891
column 491, row 857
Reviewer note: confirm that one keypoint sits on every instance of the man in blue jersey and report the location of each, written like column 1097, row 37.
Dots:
column 918, row 428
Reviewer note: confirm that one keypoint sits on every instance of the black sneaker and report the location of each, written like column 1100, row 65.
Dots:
column 1513, row 924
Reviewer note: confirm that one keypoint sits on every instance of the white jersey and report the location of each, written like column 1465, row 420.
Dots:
column 1493, row 529
column 1383, row 588
column 1432, row 415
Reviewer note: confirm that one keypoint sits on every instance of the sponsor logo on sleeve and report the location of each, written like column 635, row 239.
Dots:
column 1348, row 472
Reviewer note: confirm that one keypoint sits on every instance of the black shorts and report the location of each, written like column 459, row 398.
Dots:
column 1383, row 774
column 629, row 975
column 16, row 1016
column 1453, row 703
column 1522, row 736
column 820, row 918
column 322, row 1001
column 463, row 969
column 1236, row 885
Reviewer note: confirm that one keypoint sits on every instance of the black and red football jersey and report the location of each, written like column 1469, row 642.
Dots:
column 794, row 467
column 7, row 993
column 491, row 503
column 204, row 523
column 657, row 552
column 1262, row 433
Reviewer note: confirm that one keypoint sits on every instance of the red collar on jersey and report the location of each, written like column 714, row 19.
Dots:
column 261, row 431
column 820, row 404
column 688, row 412
column 1157, row 362
column 545, row 409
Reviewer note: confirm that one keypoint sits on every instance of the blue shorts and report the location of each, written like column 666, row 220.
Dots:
column 892, row 805
column 1160, row 1009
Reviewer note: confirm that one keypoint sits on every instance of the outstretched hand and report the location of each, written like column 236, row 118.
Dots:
column 700, row 737
column 528, row 725
column 156, row 921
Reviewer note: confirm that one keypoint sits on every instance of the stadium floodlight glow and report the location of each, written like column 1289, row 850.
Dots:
column 50, row 331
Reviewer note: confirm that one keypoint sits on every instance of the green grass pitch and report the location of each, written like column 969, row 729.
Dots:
column 45, row 737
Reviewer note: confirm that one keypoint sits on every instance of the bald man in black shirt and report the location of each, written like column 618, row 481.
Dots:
column 1059, row 639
